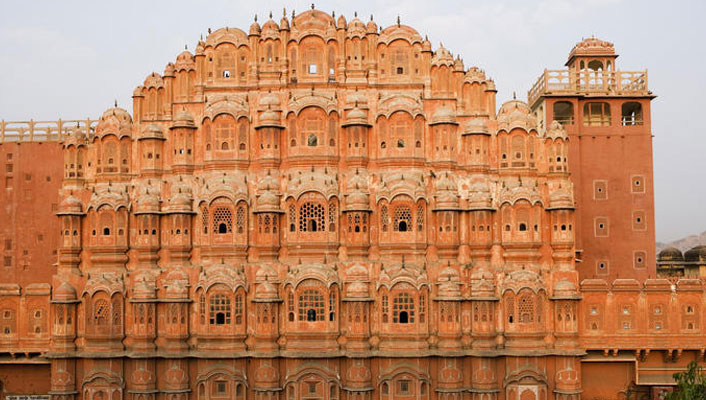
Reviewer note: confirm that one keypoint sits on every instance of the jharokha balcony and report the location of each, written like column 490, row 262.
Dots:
column 589, row 82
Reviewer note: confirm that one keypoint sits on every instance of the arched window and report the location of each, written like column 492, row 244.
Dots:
column 631, row 113
column 312, row 217
column 403, row 219
column 101, row 312
column 564, row 112
column 219, row 310
column 403, row 309
column 222, row 220
column 311, row 306
column 525, row 309
column 596, row 114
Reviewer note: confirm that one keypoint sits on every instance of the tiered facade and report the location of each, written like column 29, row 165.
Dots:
column 323, row 209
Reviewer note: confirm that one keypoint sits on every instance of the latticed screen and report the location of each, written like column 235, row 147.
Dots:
column 219, row 310
column 204, row 219
column 240, row 219
column 101, row 311
column 403, row 309
column 311, row 306
column 222, row 220
column 403, row 219
column 525, row 309
column 311, row 217
column 332, row 216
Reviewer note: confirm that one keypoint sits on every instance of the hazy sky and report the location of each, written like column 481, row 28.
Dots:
column 71, row 59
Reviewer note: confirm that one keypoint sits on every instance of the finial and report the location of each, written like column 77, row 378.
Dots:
column 333, row 14
column 186, row 47
column 355, row 14
column 292, row 15
column 255, row 17
column 202, row 37
column 116, row 102
column 312, row 6
column 284, row 12
column 398, row 20
column 514, row 95
column 209, row 31
column 270, row 14
column 371, row 17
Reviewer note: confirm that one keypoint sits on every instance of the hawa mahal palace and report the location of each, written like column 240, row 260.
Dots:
column 325, row 209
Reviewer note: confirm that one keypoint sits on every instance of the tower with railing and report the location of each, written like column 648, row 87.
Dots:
column 606, row 114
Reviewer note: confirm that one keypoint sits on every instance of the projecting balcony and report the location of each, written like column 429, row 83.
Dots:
column 557, row 82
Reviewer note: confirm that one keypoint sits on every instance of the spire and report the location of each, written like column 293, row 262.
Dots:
column 270, row 14
column 116, row 103
column 398, row 20
column 312, row 6
column 255, row 17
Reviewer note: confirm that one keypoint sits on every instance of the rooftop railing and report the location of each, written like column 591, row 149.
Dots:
column 42, row 131
column 589, row 82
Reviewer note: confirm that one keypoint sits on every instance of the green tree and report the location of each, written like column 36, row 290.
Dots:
column 691, row 384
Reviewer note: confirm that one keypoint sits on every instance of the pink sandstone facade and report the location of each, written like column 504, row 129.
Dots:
column 326, row 209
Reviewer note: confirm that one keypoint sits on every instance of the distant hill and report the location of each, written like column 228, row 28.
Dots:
column 685, row 243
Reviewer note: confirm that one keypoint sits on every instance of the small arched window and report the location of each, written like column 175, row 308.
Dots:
column 219, row 310
column 564, row 112
column 311, row 306
column 631, row 113
column 403, row 309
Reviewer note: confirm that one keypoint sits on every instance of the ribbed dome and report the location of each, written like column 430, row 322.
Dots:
column 183, row 119
column 70, row 205
column 65, row 292
column 151, row 131
column 696, row 254
column 443, row 115
column 476, row 126
column 266, row 291
column 670, row 254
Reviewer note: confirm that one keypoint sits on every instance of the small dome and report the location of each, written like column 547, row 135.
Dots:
column 148, row 202
column 357, row 201
column 670, row 254
column 180, row 201
column 268, row 202
column 270, row 27
column 695, row 254
column 341, row 23
column 255, row 28
column 270, row 100
column 185, row 60
column 185, row 56
column 266, row 291
column 270, row 118
column 372, row 27
column 151, row 131
column 70, row 205
column 565, row 288
column 116, row 121
column 357, row 272
column 442, row 57
column 443, row 115
column 284, row 23
column 476, row 126
column 65, row 292
column 556, row 131
column 356, row 116
column 183, row 119
column 357, row 289
column 592, row 47
column 144, row 289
